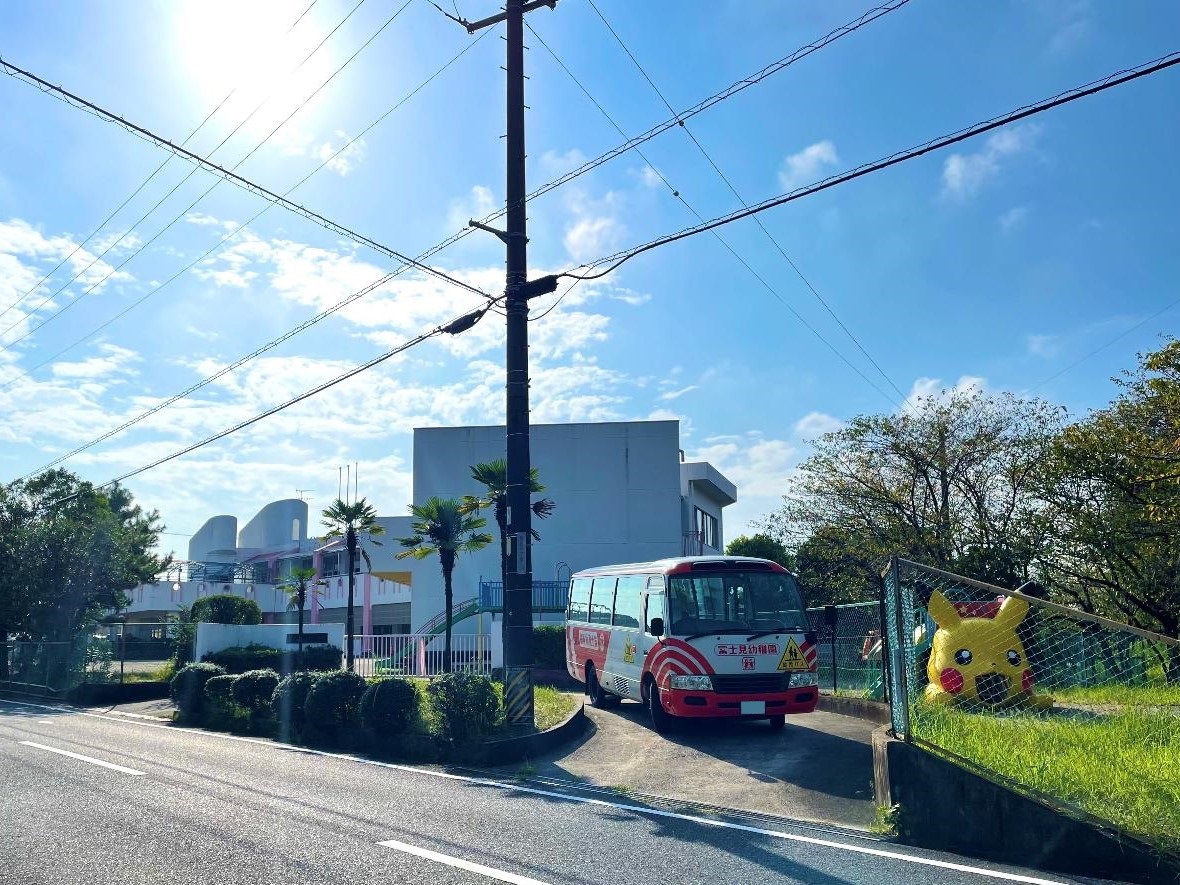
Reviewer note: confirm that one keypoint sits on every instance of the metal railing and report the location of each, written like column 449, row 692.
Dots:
column 1078, row 710
column 415, row 654
column 849, row 657
column 547, row 595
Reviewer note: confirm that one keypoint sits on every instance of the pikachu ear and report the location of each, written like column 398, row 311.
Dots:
column 944, row 614
column 1011, row 613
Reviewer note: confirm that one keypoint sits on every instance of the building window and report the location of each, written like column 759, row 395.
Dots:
column 330, row 565
column 705, row 525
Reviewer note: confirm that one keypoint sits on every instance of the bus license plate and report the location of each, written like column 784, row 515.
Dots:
column 754, row 708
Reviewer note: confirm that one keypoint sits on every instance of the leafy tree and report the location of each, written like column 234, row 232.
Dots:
column 836, row 566
column 448, row 528
column 351, row 521
column 68, row 551
column 761, row 546
column 1113, row 491
column 949, row 482
column 299, row 588
column 493, row 476
column 224, row 608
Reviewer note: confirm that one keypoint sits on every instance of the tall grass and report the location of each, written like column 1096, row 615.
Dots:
column 1123, row 768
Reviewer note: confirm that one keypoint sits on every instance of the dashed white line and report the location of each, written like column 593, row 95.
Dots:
column 459, row 863
column 89, row 759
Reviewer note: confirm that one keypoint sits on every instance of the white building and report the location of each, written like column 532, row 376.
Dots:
column 623, row 493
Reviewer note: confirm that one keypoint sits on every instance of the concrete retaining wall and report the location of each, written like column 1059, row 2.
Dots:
column 947, row 807
column 873, row 711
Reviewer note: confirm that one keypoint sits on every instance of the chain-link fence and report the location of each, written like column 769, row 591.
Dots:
column 849, row 655
column 113, row 653
column 1073, row 708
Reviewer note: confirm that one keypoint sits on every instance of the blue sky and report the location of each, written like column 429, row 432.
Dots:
column 1004, row 262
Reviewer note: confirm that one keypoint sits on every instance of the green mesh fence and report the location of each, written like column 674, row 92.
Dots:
column 849, row 657
column 1076, row 709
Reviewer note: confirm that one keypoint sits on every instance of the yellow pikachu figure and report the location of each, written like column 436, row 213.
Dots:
column 980, row 660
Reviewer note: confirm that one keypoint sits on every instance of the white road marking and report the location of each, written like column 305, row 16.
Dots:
column 586, row 800
column 461, row 864
column 89, row 759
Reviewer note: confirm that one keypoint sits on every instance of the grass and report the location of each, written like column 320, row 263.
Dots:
column 551, row 707
column 885, row 820
column 1123, row 768
column 1160, row 695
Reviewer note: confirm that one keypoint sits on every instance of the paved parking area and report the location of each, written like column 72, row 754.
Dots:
column 819, row 768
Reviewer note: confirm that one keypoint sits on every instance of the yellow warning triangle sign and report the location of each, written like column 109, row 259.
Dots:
column 792, row 658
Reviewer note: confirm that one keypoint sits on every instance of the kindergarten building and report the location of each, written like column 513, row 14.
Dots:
column 623, row 493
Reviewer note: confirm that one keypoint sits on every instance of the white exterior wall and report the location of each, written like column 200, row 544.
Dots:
column 215, row 637
column 616, row 486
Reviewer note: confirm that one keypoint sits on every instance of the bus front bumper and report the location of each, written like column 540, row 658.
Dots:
column 711, row 704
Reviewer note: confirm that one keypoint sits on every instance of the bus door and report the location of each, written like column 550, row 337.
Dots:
column 626, row 667
column 653, row 607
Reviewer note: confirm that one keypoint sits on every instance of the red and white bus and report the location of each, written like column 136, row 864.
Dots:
column 697, row 636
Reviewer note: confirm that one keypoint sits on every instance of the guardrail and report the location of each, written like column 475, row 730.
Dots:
column 414, row 654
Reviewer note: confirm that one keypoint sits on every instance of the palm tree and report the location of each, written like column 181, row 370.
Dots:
column 445, row 527
column 493, row 476
column 349, row 521
column 300, row 587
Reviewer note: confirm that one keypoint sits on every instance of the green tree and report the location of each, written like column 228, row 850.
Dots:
column 446, row 527
column 224, row 608
column 949, row 482
column 300, row 587
column 69, row 551
column 351, row 521
column 493, row 476
column 761, row 546
column 836, row 566
column 1112, row 523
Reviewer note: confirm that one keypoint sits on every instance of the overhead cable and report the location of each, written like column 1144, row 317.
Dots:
column 1096, row 86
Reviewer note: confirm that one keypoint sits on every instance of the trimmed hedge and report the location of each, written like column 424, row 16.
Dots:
column 466, row 707
column 332, row 709
column 253, row 690
column 286, row 704
column 220, row 710
column 244, row 658
column 389, row 708
column 188, row 689
column 225, row 608
column 549, row 646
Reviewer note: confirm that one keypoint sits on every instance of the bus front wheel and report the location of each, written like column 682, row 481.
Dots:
column 777, row 723
column 661, row 720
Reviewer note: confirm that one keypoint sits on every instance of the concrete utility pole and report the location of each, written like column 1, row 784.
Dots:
column 518, row 602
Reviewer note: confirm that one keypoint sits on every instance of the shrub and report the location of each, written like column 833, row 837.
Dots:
column 549, row 647
column 254, row 688
column 466, row 707
column 332, row 707
column 286, row 704
column 188, row 689
column 243, row 658
column 225, row 608
column 390, row 707
column 220, row 709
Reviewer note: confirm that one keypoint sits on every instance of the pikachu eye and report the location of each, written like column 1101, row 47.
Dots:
column 1013, row 658
column 963, row 657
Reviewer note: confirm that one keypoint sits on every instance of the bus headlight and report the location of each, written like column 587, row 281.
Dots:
column 798, row 680
column 692, row 683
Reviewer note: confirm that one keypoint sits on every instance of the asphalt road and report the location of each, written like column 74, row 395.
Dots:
column 144, row 802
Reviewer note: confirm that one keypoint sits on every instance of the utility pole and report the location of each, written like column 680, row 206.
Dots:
column 518, row 592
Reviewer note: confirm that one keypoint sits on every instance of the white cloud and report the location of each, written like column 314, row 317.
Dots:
column 805, row 167
column 816, row 424
column 115, row 360
column 591, row 238
column 964, row 174
column 1072, row 25
column 650, row 177
column 1046, row 346
column 933, row 388
column 759, row 467
column 676, row 394
column 345, row 158
column 480, row 203
column 1013, row 218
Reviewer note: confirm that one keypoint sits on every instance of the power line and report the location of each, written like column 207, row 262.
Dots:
column 733, row 189
column 456, row 326
column 144, row 245
column 136, row 192
column 725, row 243
column 244, row 183
column 1116, row 79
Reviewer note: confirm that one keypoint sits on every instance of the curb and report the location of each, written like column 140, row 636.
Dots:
column 873, row 711
column 514, row 749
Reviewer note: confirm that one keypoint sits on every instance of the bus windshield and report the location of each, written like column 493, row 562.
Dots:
column 734, row 602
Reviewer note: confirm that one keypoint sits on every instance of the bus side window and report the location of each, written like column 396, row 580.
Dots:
column 627, row 601
column 602, row 601
column 579, row 600
column 654, row 609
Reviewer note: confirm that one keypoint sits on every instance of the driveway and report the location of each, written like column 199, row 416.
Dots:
column 819, row 768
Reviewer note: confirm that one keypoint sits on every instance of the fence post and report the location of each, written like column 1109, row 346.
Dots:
column 898, row 659
column 831, row 617
column 122, row 651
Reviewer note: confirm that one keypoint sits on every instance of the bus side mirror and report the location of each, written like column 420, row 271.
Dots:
column 656, row 627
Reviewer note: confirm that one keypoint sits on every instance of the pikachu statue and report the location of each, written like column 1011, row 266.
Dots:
column 980, row 660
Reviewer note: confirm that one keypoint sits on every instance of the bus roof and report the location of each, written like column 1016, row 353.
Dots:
column 681, row 564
